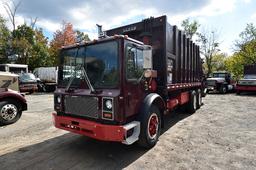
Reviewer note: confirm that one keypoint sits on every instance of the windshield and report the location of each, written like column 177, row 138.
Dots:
column 100, row 62
column 219, row 75
column 27, row 77
column 250, row 76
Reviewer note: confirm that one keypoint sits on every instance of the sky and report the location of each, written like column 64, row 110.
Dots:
column 227, row 17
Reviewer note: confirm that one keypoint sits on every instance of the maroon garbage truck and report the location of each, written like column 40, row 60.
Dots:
column 120, row 86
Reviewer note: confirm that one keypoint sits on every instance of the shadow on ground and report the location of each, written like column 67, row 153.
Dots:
column 78, row 152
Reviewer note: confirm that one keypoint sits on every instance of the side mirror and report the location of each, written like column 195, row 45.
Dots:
column 147, row 58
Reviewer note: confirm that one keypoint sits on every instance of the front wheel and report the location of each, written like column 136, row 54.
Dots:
column 10, row 112
column 150, row 127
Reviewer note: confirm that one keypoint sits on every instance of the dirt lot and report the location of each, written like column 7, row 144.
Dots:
column 221, row 135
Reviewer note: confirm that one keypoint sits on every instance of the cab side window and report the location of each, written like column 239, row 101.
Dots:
column 134, row 63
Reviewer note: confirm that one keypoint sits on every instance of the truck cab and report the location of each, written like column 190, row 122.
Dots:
column 104, row 81
column 220, row 82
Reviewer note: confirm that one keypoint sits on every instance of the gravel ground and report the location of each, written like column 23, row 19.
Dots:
column 220, row 135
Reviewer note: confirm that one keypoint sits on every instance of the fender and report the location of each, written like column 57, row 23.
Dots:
column 16, row 96
column 152, row 98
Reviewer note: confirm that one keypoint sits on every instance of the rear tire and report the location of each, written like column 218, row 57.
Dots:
column 10, row 112
column 238, row 92
column 192, row 103
column 198, row 99
column 223, row 89
column 204, row 92
column 150, row 127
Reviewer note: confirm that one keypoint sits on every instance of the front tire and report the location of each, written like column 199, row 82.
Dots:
column 10, row 112
column 150, row 127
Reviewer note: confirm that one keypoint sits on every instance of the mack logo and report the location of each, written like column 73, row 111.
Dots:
column 128, row 29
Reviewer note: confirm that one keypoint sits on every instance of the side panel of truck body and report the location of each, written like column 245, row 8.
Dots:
column 47, row 74
column 175, row 57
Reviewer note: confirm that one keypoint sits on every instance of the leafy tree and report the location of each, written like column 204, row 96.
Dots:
column 5, row 36
column 218, row 62
column 246, row 53
column 190, row 28
column 249, row 34
column 40, row 56
column 209, row 48
column 234, row 65
column 81, row 36
column 63, row 37
column 23, row 42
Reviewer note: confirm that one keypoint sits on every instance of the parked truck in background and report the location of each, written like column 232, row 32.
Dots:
column 119, row 87
column 48, row 77
column 220, row 81
column 28, row 83
column 248, row 83
column 12, row 103
column 14, row 68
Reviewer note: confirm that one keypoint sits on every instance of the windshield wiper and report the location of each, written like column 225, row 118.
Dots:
column 86, row 78
column 73, row 75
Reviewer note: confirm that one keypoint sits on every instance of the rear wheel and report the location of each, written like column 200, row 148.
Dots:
column 204, row 93
column 150, row 127
column 192, row 103
column 223, row 89
column 198, row 99
column 238, row 92
column 10, row 112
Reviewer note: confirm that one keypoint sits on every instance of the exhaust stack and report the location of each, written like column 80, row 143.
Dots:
column 101, row 34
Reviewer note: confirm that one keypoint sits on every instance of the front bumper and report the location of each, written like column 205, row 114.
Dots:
column 245, row 88
column 211, row 88
column 115, row 133
column 28, row 88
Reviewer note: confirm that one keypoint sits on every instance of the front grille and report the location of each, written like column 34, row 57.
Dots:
column 211, row 82
column 81, row 106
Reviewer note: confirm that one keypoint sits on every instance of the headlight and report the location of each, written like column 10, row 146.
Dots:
column 107, row 108
column 108, row 104
column 58, row 99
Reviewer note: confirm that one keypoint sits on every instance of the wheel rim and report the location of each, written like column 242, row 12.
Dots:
column 9, row 112
column 200, row 99
column 194, row 102
column 153, row 125
column 224, row 90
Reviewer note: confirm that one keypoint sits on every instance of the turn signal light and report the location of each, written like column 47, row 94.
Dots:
column 107, row 115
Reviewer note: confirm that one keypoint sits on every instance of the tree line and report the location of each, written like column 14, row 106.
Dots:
column 214, row 58
column 27, row 44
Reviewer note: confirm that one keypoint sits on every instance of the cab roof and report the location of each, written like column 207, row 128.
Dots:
column 107, row 38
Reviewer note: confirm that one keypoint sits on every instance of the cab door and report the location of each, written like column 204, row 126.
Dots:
column 133, row 72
